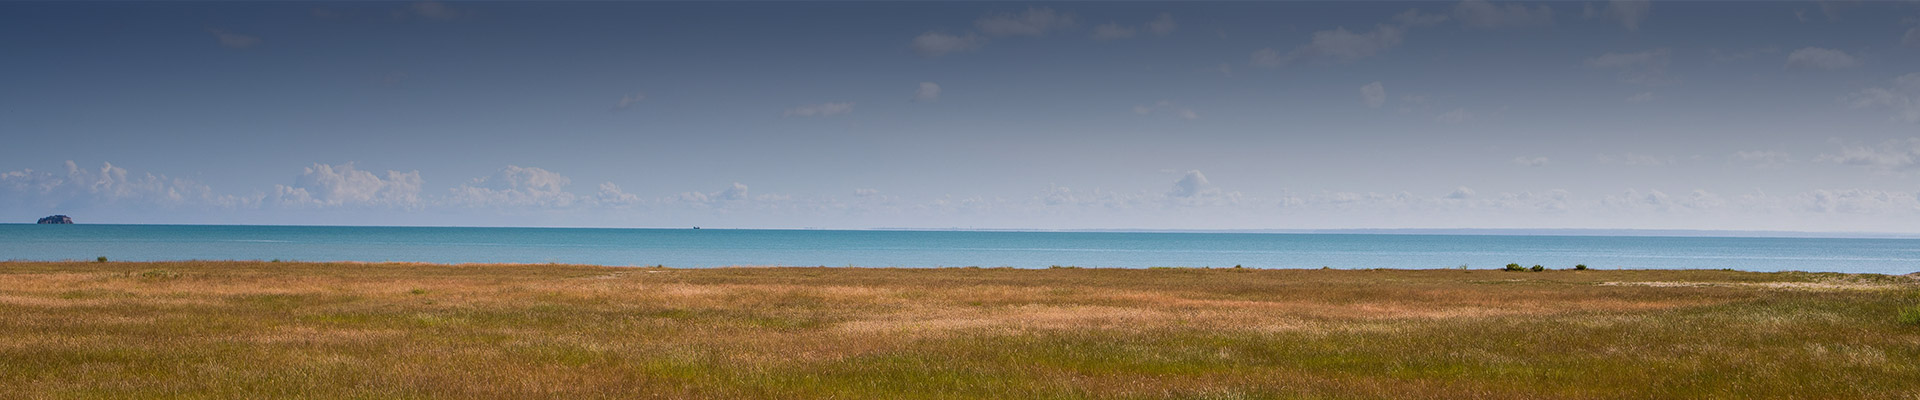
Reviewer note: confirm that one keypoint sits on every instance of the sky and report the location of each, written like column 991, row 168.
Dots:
column 1715, row 115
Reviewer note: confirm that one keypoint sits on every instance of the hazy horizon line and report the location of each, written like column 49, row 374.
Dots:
column 1599, row 232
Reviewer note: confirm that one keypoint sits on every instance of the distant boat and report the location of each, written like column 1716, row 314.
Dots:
column 696, row 228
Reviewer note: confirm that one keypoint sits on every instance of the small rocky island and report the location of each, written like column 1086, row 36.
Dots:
column 57, row 219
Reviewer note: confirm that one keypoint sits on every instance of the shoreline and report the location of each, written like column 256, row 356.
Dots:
column 1914, row 275
column 1539, row 232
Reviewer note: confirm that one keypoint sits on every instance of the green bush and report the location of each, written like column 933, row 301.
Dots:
column 1515, row 267
column 100, row 259
column 1538, row 268
column 1910, row 315
column 1579, row 267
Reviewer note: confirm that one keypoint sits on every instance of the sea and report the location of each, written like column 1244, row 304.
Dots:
column 704, row 248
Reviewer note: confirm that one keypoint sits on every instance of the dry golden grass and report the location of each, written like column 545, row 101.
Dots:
column 329, row 330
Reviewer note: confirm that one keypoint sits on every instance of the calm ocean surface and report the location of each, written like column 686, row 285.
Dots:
column 717, row 247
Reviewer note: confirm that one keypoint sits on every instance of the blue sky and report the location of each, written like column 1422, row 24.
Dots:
column 1192, row 115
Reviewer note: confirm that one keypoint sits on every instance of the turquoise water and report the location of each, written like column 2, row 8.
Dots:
column 717, row 247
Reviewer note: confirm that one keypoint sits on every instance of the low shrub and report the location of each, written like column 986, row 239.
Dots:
column 1579, row 267
column 1515, row 267
column 100, row 259
column 1538, row 268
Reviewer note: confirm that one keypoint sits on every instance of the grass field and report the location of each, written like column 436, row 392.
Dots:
column 295, row 330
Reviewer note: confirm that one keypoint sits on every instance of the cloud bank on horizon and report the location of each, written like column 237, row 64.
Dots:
column 1470, row 114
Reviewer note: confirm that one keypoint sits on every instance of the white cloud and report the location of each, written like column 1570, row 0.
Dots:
column 1413, row 18
column 1856, row 201
column 1903, row 98
column 734, row 193
column 1641, row 97
column 234, row 40
column 1644, row 68
column 344, row 185
column 1033, row 22
column 819, row 110
column 108, row 186
column 936, row 44
column 1530, row 161
column 516, row 186
column 1111, row 31
column 1373, row 94
column 436, row 10
column 1061, row 196
column 1461, row 193
column 1162, row 24
column 1821, row 59
column 1334, row 46
column 693, row 197
column 1550, row 201
column 1457, row 116
column 1630, row 60
column 630, row 100
column 1909, row 81
column 1177, row 110
column 1732, row 56
column 1763, row 158
column 1339, row 45
column 1832, row 8
column 611, row 195
column 1912, row 39
column 1481, row 14
column 1193, row 189
column 1655, row 200
column 1889, row 155
column 1267, row 57
column 928, row 92
column 1192, row 184
column 1629, row 12
column 1641, row 160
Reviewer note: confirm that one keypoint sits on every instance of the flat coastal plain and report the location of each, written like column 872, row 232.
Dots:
column 352, row 330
